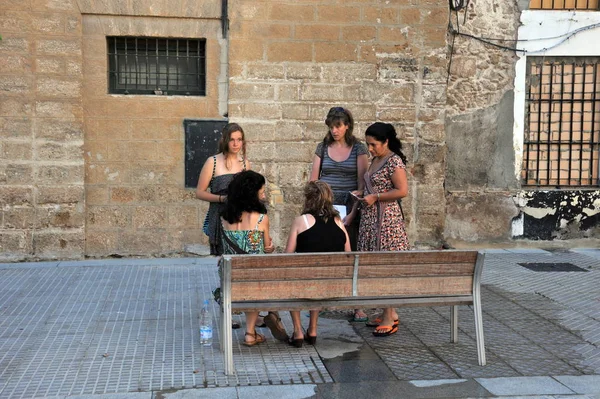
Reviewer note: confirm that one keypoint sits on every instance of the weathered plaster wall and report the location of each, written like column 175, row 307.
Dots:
column 480, row 174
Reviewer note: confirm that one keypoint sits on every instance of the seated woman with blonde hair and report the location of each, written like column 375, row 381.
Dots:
column 318, row 229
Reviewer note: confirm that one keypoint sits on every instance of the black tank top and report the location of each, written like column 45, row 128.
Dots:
column 321, row 237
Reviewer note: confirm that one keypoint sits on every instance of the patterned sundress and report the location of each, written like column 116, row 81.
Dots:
column 382, row 226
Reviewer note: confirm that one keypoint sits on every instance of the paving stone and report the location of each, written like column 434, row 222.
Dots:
column 582, row 384
column 524, row 386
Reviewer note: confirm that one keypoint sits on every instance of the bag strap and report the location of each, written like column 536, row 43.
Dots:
column 401, row 211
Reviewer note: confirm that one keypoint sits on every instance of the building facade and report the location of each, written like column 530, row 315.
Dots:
column 106, row 109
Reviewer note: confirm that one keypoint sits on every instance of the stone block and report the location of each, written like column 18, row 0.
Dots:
column 290, row 52
column 96, row 194
column 55, row 109
column 265, row 30
column 59, row 88
column 146, row 151
column 184, row 217
column 15, row 151
column 114, row 151
column 60, row 194
column 111, row 129
column 112, row 173
column 262, row 152
column 15, row 107
column 18, row 217
column 330, row 12
column 142, row 242
column 293, row 174
column 58, row 130
column 123, row 195
column 399, row 68
column 336, row 52
column 294, row 151
column 15, row 63
column 298, row 111
column 463, row 67
column 48, row 23
column 375, row 14
column 60, row 174
column 154, row 174
column 289, row 131
column 430, row 196
column 433, row 95
column 322, row 92
column 12, row 85
column 248, row 50
column 375, row 53
column 360, row 33
column 434, row 37
column 288, row 92
column 302, row 71
column 388, row 94
column 73, row 25
column 49, row 65
column 433, row 132
column 157, row 129
column 16, row 5
column 292, row 12
column 58, row 152
column 59, row 244
column 14, row 173
column 406, row 115
column 16, row 195
column 101, row 243
column 410, row 16
column 60, row 216
column 252, row 90
column 108, row 216
column 14, row 244
column 265, row 71
column 14, row 44
column 475, row 217
column 55, row 5
column 149, row 217
column 434, row 16
column 255, row 110
column 351, row 73
column 67, row 47
column 432, row 114
column 74, row 67
column 317, row 32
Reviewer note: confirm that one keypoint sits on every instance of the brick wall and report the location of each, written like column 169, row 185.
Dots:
column 290, row 61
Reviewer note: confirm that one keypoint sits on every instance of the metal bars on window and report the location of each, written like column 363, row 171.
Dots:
column 144, row 65
column 562, row 129
column 563, row 4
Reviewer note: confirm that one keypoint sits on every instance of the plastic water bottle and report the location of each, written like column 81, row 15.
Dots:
column 206, row 331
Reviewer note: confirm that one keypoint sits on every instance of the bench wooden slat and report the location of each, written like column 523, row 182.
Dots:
column 417, row 257
column 337, row 288
column 284, row 272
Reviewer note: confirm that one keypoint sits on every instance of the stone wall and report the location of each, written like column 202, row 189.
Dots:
column 290, row 61
column 480, row 174
column 42, row 209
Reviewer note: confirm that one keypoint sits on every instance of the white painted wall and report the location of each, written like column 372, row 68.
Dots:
column 550, row 33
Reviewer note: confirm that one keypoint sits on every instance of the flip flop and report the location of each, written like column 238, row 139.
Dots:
column 384, row 331
column 258, row 339
column 359, row 319
column 376, row 322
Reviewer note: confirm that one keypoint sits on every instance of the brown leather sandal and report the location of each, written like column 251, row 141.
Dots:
column 258, row 339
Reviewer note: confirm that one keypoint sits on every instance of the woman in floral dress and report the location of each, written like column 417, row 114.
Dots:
column 382, row 226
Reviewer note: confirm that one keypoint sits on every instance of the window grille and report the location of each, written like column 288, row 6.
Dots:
column 563, row 4
column 144, row 65
column 562, row 129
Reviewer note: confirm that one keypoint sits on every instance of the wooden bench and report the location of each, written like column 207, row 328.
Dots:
column 348, row 280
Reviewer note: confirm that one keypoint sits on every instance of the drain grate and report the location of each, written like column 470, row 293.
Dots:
column 552, row 267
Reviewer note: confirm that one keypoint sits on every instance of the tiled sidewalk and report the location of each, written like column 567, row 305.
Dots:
column 131, row 325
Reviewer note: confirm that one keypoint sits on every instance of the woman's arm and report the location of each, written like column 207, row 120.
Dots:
column 204, row 181
column 400, row 182
column 269, row 247
column 347, row 244
column 362, row 163
column 291, row 242
column 316, row 168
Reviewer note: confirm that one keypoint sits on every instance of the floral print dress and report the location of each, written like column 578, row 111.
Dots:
column 382, row 226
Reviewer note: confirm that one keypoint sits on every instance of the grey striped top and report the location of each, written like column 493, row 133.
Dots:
column 341, row 176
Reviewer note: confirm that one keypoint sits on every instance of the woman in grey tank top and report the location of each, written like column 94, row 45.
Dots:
column 341, row 161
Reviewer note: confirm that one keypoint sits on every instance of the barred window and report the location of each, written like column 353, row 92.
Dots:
column 562, row 129
column 144, row 65
column 563, row 4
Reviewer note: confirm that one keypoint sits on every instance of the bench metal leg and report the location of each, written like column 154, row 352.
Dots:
column 454, row 324
column 477, row 310
column 227, row 318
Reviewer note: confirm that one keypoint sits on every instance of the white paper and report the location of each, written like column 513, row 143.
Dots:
column 342, row 210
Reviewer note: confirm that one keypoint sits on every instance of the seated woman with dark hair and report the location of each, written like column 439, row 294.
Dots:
column 318, row 229
column 246, row 231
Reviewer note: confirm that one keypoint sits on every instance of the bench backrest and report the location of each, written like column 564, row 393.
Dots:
column 351, row 274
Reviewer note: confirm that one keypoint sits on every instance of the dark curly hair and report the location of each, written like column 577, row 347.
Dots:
column 242, row 196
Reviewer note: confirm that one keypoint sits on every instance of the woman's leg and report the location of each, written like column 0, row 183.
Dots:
column 312, row 325
column 298, row 332
column 251, row 336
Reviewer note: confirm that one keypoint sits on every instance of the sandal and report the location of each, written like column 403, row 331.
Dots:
column 357, row 319
column 277, row 329
column 377, row 321
column 258, row 339
column 384, row 331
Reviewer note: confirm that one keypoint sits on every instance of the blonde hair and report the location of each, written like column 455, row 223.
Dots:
column 318, row 200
